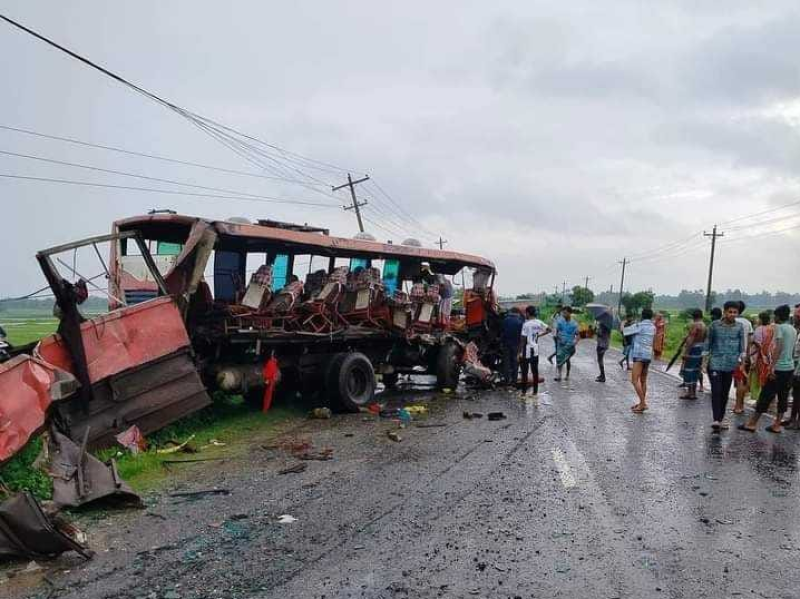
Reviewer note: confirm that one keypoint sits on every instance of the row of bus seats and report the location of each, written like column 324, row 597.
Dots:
column 331, row 301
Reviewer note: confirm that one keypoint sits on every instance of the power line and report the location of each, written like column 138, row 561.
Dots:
column 157, row 179
column 151, row 156
column 152, row 95
column 163, row 191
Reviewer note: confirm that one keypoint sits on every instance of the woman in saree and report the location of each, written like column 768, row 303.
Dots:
column 761, row 353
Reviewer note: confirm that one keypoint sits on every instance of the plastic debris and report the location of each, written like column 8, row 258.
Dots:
column 296, row 469
column 192, row 495
column 133, row 440
column 176, row 448
column 286, row 519
column 416, row 410
column 496, row 416
column 321, row 456
column 320, row 414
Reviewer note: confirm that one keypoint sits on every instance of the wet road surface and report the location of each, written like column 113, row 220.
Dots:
column 573, row 497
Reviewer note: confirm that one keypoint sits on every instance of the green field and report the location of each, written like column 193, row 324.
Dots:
column 24, row 328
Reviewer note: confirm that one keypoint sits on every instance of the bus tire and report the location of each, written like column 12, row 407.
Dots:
column 351, row 382
column 448, row 366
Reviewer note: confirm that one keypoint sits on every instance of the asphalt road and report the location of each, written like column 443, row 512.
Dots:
column 573, row 497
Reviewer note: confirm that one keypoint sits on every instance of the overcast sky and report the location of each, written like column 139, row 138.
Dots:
column 552, row 139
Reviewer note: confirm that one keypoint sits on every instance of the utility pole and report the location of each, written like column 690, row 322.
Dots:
column 564, row 292
column 621, row 285
column 586, row 286
column 713, row 235
column 356, row 204
column 441, row 243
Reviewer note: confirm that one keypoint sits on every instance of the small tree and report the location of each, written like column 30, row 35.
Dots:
column 582, row 296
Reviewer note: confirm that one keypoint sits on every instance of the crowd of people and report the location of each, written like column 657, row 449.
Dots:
column 761, row 360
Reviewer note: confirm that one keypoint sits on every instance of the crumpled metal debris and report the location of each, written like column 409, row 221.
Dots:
column 80, row 478
column 26, row 531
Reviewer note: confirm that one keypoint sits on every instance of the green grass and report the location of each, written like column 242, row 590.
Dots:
column 18, row 474
column 227, row 420
column 23, row 329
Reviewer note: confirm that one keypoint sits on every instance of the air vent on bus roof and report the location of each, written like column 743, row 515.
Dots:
column 412, row 242
column 240, row 220
column 364, row 236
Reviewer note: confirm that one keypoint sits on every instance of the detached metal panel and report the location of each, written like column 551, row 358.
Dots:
column 151, row 396
column 123, row 339
column 24, row 400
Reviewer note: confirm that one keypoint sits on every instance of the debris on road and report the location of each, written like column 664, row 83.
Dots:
column 176, row 447
column 286, row 519
column 393, row 436
column 320, row 456
column 320, row 414
column 26, row 531
column 296, row 469
column 430, row 425
column 193, row 495
column 472, row 415
column 494, row 416
column 132, row 440
column 80, row 478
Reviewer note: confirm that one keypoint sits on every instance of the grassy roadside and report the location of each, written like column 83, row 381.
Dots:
column 229, row 422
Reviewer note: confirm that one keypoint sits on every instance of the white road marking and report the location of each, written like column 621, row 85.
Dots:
column 564, row 471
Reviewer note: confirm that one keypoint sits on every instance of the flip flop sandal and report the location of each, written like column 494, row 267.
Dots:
column 738, row 413
column 687, row 397
column 769, row 429
column 742, row 427
column 638, row 410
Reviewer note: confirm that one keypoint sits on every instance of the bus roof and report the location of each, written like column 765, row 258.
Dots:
column 175, row 227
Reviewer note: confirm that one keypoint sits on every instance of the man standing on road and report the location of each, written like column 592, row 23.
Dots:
column 726, row 349
column 693, row 346
column 529, row 348
column 511, row 332
column 554, row 320
column 603, row 341
column 567, row 334
column 741, row 376
column 795, row 419
column 643, row 333
column 780, row 379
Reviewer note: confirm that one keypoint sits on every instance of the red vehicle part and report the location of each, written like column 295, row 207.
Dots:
column 123, row 339
column 24, row 400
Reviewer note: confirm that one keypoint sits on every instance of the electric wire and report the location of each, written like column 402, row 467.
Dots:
column 157, row 179
column 151, row 156
column 162, row 191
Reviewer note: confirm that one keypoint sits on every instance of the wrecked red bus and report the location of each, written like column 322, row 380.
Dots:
column 334, row 311
column 197, row 305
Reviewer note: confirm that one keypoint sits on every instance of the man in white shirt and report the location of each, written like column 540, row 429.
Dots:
column 532, row 329
column 741, row 377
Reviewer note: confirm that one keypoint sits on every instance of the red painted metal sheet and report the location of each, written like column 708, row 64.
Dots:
column 24, row 400
column 123, row 339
